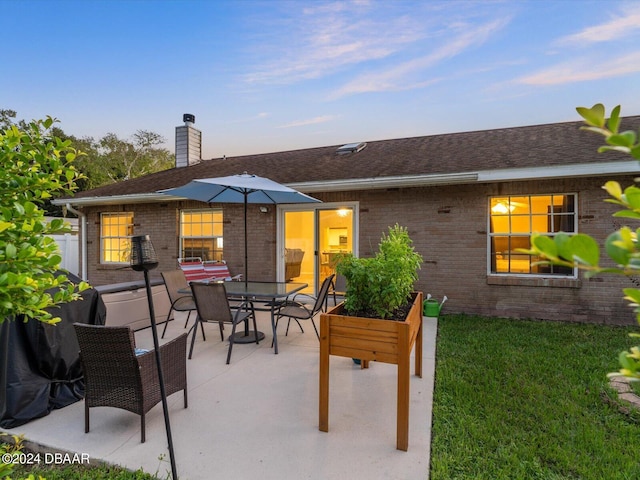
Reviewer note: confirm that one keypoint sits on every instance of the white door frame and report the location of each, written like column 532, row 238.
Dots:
column 311, row 207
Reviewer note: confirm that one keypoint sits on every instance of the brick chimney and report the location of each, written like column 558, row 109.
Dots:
column 188, row 142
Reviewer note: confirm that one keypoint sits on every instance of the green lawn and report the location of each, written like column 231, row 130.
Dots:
column 80, row 472
column 520, row 399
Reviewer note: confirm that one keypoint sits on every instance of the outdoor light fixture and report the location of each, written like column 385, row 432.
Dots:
column 264, row 209
column 143, row 255
column 142, row 259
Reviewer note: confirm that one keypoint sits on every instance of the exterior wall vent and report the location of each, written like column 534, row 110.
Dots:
column 351, row 148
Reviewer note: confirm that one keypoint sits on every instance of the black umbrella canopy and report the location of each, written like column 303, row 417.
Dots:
column 244, row 188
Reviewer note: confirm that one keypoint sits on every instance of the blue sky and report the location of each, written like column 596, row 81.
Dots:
column 265, row 76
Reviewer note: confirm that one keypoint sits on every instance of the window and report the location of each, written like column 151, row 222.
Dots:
column 201, row 234
column 116, row 230
column 512, row 220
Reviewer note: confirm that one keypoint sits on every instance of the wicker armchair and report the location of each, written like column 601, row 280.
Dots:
column 115, row 376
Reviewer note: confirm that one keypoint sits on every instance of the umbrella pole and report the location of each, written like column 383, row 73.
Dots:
column 248, row 337
column 246, row 262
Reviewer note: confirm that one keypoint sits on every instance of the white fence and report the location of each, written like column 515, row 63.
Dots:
column 69, row 249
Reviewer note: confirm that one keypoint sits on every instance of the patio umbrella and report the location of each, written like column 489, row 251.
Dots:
column 243, row 188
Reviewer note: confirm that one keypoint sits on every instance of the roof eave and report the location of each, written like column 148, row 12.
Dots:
column 375, row 183
column 114, row 199
column 595, row 169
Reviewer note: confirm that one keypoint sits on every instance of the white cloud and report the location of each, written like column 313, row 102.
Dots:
column 310, row 121
column 326, row 38
column 584, row 70
column 402, row 76
column 258, row 116
column 615, row 29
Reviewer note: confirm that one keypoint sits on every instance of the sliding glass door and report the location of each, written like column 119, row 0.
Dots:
column 311, row 240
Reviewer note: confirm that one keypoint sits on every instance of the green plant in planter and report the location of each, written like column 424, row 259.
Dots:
column 379, row 286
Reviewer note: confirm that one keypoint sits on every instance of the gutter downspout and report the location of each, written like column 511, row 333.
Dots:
column 83, row 234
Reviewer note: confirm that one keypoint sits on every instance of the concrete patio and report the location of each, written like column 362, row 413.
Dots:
column 258, row 416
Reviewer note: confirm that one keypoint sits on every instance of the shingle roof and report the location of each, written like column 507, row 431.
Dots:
column 517, row 147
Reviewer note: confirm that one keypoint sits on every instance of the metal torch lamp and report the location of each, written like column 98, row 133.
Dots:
column 143, row 258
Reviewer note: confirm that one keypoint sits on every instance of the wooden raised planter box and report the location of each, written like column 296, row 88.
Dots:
column 369, row 339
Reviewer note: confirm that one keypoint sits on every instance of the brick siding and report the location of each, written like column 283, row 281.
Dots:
column 448, row 225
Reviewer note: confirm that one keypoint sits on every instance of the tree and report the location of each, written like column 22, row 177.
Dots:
column 34, row 166
column 111, row 159
column 582, row 251
column 6, row 118
column 108, row 159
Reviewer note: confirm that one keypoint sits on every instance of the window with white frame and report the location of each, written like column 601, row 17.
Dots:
column 116, row 229
column 201, row 234
column 512, row 220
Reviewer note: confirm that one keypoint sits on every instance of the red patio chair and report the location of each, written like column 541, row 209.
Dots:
column 219, row 271
column 193, row 269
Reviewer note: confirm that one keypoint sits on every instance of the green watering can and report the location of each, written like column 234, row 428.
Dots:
column 431, row 307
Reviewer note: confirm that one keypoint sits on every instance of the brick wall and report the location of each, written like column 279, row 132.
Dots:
column 161, row 221
column 448, row 226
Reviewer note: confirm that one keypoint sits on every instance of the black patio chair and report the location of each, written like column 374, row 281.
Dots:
column 213, row 306
column 293, row 310
column 175, row 281
column 338, row 288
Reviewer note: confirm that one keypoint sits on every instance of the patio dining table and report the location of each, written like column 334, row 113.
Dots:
column 268, row 293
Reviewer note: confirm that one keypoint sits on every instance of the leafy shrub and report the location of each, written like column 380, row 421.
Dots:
column 582, row 251
column 34, row 167
column 380, row 285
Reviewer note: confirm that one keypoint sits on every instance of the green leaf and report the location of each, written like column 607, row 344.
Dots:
column 632, row 294
column 545, row 245
column 594, row 115
column 614, row 149
column 625, row 361
column 624, row 139
column 31, row 208
column 4, row 225
column 584, row 249
column 614, row 121
column 616, row 271
column 615, row 250
column 598, row 130
column 561, row 240
column 19, row 208
column 10, row 250
column 627, row 214
column 57, row 224
column 613, row 188
column 54, row 261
